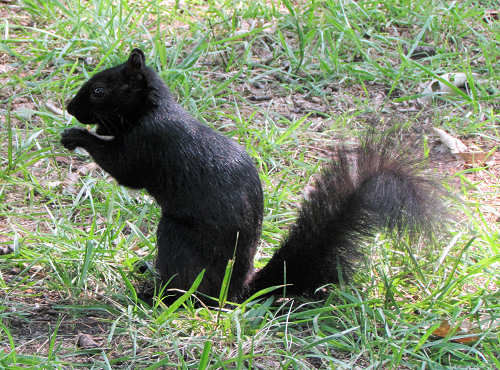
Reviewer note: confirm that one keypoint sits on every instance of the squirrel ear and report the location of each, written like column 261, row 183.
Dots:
column 136, row 60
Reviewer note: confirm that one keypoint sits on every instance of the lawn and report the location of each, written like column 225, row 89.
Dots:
column 288, row 80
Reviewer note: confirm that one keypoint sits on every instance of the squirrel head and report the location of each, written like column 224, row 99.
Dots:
column 116, row 98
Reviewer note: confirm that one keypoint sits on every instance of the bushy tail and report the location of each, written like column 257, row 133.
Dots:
column 377, row 186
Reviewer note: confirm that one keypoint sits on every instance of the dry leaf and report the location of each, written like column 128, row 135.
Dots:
column 491, row 15
column 474, row 158
column 86, row 341
column 51, row 107
column 6, row 249
column 437, row 87
column 421, row 52
column 53, row 184
column 445, row 329
column 87, row 168
column 455, row 145
column 471, row 156
column 472, row 338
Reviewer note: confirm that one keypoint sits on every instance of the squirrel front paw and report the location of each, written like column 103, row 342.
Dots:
column 73, row 137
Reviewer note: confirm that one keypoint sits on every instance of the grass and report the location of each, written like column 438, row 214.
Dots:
column 288, row 80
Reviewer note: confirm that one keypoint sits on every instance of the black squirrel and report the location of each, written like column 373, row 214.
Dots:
column 211, row 196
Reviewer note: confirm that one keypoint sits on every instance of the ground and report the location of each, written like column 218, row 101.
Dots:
column 42, row 184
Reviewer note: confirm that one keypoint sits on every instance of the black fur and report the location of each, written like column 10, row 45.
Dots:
column 211, row 195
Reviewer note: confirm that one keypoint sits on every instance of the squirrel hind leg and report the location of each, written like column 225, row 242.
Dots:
column 185, row 250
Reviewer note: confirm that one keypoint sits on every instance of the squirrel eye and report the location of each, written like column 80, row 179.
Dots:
column 98, row 92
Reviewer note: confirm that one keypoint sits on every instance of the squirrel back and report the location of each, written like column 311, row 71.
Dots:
column 211, row 196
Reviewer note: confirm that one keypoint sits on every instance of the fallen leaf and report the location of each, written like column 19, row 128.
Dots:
column 86, row 341
column 53, row 108
column 6, row 249
column 438, row 87
column 455, row 145
column 491, row 15
column 475, row 158
column 445, row 329
column 472, row 338
column 53, row 184
column 471, row 156
column 421, row 52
